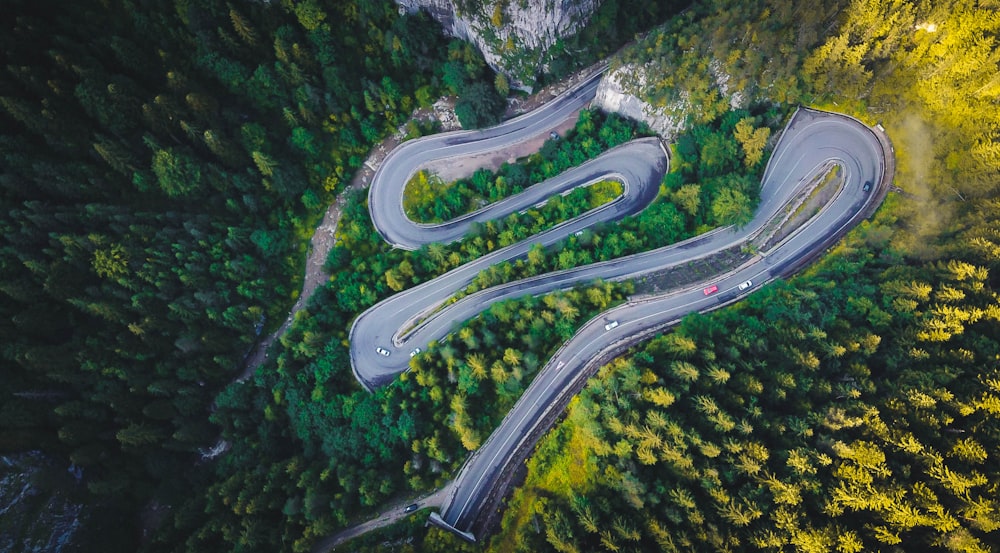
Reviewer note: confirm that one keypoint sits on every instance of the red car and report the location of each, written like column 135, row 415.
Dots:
column 711, row 290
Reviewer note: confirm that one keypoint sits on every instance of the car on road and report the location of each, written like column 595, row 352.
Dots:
column 867, row 186
column 611, row 325
column 711, row 290
column 415, row 352
column 410, row 508
column 745, row 285
column 382, row 351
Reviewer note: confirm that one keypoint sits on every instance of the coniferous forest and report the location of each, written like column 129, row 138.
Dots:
column 855, row 407
column 165, row 164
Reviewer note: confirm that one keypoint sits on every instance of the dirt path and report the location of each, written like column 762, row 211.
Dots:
column 443, row 110
column 392, row 514
column 319, row 249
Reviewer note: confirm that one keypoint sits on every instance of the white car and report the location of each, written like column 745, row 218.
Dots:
column 611, row 325
column 382, row 351
column 415, row 352
column 745, row 285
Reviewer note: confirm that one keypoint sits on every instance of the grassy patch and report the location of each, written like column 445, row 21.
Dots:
column 565, row 460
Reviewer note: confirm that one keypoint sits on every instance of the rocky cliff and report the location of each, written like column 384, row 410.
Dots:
column 37, row 513
column 514, row 35
column 516, row 38
column 622, row 89
column 611, row 96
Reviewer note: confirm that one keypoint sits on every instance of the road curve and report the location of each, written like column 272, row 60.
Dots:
column 639, row 165
column 810, row 141
column 385, row 196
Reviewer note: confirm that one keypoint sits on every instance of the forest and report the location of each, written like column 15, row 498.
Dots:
column 163, row 168
column 834, row 413
column 165, row 164
column 427, row 199
column 854, row 407
column 322, row 453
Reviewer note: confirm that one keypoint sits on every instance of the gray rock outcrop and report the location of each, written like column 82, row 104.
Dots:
column 519, row 46
column 612, row 97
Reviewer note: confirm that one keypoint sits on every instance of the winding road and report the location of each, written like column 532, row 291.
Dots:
column 383, row 336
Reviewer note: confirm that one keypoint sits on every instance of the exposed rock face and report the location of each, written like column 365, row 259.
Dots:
column 611, row 96
column 622, row 91
column 519, row 45
column 37, row 513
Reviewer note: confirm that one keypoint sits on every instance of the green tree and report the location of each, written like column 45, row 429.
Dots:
column 177, row 174
column 732, row 207
column 688, row 197
column 479, row 106
column 752, row 140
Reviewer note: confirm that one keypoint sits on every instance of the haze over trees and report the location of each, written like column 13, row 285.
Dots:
column 853, row 408
column 816, row 415
column 849, row 409
column 164, row 164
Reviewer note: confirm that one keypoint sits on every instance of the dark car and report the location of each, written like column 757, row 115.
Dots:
column 411, row 508
column 867, row 186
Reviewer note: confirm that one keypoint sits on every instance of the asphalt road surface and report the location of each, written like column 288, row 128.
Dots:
column 809, row 143
column 812, row 139
column 385, row 196
column 382, row 326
